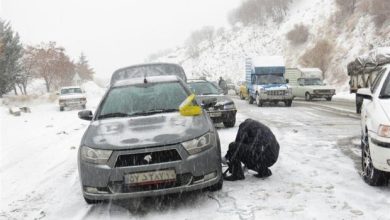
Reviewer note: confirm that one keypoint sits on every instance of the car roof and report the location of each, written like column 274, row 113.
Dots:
column 149, row 79
column 196, row 80
column 123, row 74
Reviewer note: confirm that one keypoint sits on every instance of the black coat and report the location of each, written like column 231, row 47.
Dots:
column 255, row 146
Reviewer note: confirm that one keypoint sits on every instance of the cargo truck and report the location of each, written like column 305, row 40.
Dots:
column 266, row 82
column 364, row 69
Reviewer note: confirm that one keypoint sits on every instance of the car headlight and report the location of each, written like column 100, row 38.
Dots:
column 229, row 106
column 384, row 131
column 262, row 90
column 95, row 156
column 199, row 144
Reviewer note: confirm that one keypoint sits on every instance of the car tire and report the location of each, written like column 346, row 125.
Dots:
column 258, row 101
column 308, row 97
column 229, row 124
column 371, row 176
column 216, row 187
column 251, row 100
column 328, row 99
column 359, row 103
column 83, row 106
column 288, row 103
column 92, row 201
column 61, row 109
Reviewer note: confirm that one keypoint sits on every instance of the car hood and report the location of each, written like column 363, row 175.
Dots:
column 385, row 104
column 72, row 96
column 145, row 131
column 275, row 86
column 221, row 99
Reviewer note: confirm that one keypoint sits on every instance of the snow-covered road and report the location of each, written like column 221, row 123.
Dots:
column 316, row 177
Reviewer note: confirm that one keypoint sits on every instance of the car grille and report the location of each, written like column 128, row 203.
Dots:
column 129, row 160
column 181, row 180
column 276, row 92
column 322, row 91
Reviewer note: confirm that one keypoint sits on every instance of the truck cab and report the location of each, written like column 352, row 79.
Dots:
column 266, row 81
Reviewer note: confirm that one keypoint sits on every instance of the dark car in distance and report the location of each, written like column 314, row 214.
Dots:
column 220, row 107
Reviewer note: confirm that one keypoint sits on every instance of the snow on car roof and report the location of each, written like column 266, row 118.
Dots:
column 268, row 61
column 309, row 70
column 149, row 79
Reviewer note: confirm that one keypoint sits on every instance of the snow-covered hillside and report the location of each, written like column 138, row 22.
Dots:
column 349, row 39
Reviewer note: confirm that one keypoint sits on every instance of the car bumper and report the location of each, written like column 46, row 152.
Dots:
column 322, row 95
column 193, row 172
column 72, row 103
column 222, row 116
column 270, row 98
column 380, row 152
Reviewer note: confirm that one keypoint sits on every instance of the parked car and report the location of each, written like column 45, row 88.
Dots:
column 375, row 124
column 219, row 107
column 148, row 137
column 72, row 96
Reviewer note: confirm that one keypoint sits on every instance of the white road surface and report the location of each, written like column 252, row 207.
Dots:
column 316, row 177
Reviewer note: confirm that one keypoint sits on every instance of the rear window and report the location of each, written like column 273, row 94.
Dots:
column 70, row 91
column 144, row 98
column 204, row 88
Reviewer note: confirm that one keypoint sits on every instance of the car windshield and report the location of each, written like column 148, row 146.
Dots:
column 70, row 91
column 269, row 79
column 204, row 88
column 313, row 82
column 143, row 99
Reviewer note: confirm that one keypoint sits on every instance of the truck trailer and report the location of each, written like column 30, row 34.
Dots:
column 364, row 69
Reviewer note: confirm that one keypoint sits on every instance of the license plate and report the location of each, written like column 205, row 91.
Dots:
column 148, row 178
column 215, row 114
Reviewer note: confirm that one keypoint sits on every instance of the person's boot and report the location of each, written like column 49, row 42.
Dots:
column 263, row 173
column 237, row 172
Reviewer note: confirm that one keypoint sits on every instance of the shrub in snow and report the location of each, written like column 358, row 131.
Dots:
column 318, row 56
column 298, row 35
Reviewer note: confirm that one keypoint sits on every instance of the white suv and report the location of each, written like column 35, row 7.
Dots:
column 375, row 120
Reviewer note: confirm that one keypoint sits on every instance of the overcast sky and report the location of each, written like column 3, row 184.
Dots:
column 114, row 33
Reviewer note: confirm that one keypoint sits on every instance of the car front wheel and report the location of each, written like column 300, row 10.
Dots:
column 308, row 97
column 216, row 187
column 371, row 176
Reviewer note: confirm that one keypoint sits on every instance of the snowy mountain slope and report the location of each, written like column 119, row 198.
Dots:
column 227, row 57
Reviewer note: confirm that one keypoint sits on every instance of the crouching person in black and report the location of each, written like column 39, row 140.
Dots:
column 256, row 147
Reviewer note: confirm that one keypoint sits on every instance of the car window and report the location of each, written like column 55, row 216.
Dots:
column 144, row 98
column 377, row 81
column 70, row 91
column 204, row 88
column 385, row 93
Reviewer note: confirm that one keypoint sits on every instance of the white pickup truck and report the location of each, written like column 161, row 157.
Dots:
column 71, row 96
column 375, row 125
column 307, row 83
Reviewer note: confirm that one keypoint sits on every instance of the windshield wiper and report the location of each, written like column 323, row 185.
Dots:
column 114, row 115
column 154, row 111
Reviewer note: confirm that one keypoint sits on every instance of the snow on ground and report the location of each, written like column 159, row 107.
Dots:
column 316, row 176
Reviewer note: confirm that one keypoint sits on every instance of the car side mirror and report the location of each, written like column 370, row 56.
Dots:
column 287, row 80
column 187, row 108
column 85, row 115
column 365, row 93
